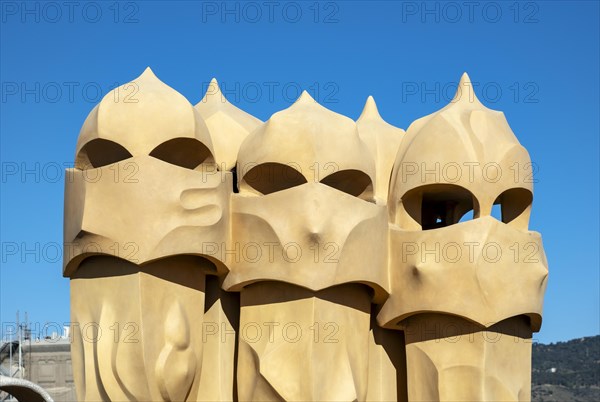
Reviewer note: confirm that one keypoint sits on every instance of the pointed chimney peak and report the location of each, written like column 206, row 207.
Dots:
column 370, row 110
column 305, row 98
column 213, row 93
column 149, row 72
column 465, row 94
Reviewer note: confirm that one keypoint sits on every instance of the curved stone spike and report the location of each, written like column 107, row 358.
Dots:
column 463, row 102
column 228, row 125
column 212, row 97
column 305, row 98
column 465, row 92
column 148, row 73
column 383, row 141
column 370, row 110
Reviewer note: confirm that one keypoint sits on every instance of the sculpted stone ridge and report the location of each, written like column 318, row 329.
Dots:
column 308, row 257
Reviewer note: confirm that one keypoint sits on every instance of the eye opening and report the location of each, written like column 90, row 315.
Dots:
column 271, row 177
column 439, row 205
column 100, row 152
column 188, row 153
column 513, row 202
column 351, row 181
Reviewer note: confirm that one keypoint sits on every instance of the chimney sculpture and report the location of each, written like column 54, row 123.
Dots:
column 214, row 257
column 467, row 295
column 302, row 221
column 143, row 197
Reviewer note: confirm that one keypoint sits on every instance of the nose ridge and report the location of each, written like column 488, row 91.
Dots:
column 314, row 237
column 320, row 209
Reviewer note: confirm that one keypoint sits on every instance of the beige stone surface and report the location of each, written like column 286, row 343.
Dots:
column 138, row 334
column 110, row 216
column 473, row 152
column 342, row 266
column 300, row 345
column 322, row 247
column 482, row 269
column 453, row 359
column 383, row 141
column 306, row 143
column 136, row 118
column 228, row 125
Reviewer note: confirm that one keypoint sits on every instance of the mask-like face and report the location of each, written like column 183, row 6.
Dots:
column 307, row 219
column 481, row 269
column 463, row 158
column 144, row 188
column 304, row 235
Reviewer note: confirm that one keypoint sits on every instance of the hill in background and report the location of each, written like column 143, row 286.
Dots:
column 566, row 371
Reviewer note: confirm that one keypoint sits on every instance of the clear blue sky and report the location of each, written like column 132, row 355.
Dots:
column 536, row 61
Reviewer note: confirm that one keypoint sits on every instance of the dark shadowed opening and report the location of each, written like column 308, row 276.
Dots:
column 513, row 202
column 185, row 152
column 270, row 177
column 439, row 205
column 351, row 181
column 100, row 152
